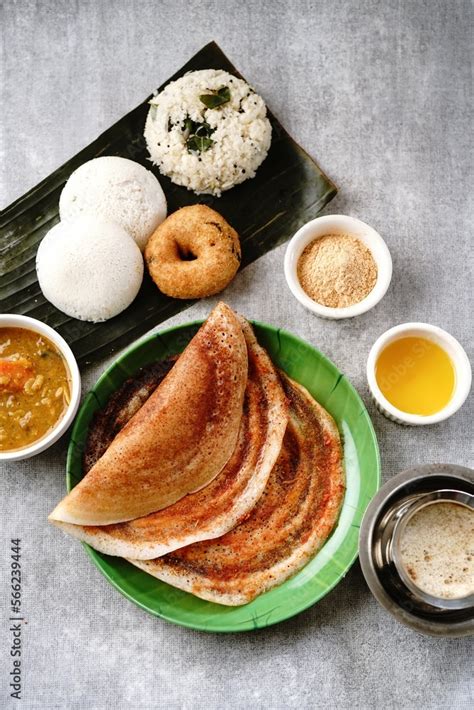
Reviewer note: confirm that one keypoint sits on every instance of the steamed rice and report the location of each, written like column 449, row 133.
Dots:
column 237, row 134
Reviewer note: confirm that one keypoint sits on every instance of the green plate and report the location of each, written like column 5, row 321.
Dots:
column 362, row 468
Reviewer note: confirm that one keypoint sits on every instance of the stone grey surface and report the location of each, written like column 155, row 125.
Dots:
column 381, row 94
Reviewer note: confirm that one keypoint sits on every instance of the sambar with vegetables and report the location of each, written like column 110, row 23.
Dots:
column 35, row 387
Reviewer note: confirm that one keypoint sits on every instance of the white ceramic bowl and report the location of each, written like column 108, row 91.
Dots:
column 11, row 320
column 458, row 357
column 338, row 224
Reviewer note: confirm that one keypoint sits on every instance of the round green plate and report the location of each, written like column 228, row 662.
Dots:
column 362, row 468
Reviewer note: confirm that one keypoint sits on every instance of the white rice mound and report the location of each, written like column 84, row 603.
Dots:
column 119, row 190
column 241, row 138
column 90, row 269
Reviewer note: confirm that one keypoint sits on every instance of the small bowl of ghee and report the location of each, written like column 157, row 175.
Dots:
column 418, row 374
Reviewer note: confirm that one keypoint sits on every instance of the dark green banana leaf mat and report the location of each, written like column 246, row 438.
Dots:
column 288, row 190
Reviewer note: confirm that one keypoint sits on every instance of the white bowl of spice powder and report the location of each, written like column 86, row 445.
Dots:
column 338, row 266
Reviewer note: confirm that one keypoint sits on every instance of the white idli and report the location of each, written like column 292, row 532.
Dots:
column 119, row 190
column 90, row 269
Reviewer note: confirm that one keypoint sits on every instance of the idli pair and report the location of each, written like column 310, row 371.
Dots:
column 90, row 264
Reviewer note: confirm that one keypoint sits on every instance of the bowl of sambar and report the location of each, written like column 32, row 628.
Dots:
column 40, row 386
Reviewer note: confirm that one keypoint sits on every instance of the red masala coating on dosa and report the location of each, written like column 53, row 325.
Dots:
column 293, row 518
column 220, row 505
column 178, row 441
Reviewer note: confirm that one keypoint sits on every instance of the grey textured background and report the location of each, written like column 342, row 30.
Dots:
column 381, row 94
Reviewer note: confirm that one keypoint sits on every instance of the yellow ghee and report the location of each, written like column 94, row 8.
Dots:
column 416, row 375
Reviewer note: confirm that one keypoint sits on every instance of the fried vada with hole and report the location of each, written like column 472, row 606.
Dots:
column 194, row 253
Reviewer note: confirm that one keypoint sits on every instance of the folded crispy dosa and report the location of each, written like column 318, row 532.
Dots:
column 294, row 516
column 219, row 506
column 178, row 441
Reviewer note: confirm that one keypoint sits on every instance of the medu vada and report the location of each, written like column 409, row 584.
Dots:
column 194, row 253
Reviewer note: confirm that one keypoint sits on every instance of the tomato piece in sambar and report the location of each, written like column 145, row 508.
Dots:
column 14, row 374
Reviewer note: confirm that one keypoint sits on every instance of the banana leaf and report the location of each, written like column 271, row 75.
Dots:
column 288, row 190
